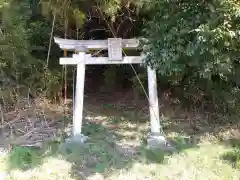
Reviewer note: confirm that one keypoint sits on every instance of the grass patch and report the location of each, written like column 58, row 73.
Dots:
column 181, row 142
column 98, row 154
column 92, row 129
column 23, row 158
column 233, row 156
column 95, row 155
column 102, row 158
column 115, row 120
column 150, row 155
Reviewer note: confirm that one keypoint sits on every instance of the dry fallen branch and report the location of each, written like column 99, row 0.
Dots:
column 30, row 126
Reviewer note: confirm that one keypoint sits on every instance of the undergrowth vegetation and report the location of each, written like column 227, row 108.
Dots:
column 233, row 156
column 104, row 157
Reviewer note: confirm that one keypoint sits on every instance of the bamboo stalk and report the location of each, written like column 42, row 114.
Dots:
column 50, row 40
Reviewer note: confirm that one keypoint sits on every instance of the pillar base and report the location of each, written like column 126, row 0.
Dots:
column 158, row 141
column 72, row 143
column 80, row 139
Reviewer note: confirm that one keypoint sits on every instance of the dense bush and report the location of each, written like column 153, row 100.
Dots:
column 25, row 37
column 196, row 45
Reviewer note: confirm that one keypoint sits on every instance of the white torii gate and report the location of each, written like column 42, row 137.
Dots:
column 114, row 47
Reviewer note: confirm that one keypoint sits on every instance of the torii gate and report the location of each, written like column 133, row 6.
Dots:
column 114, row 47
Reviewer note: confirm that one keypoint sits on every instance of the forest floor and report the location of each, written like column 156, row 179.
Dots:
column 116, row 148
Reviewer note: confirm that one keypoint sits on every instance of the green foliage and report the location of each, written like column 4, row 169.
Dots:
column 115, row 120
column 207, row 43
column 51, row 87
column 100, row 167
column 109, row 78
column 153, row 155
column 97, row 154
column 111, row 7
column 138, row 89
column 181, row 143
column 91, row 128
column 18, row 66
column 196, row 43
column 68, row 10
column 234, row 157
column 79, row 17
column 26, row 28
column 24, row 45
column 22, row 158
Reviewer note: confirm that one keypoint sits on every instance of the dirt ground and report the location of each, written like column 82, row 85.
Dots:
column 117, row 126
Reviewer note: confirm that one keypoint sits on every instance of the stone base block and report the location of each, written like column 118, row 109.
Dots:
column 76, row 139
column 159, row 142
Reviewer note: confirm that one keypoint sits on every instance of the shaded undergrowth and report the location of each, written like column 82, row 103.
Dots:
column 108, row 149
column 233, row 156
column 100, row 154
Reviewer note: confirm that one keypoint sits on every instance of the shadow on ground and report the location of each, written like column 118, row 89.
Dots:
column 117, row 140
column 233, row 155
column 103, row 153
column 174, row 117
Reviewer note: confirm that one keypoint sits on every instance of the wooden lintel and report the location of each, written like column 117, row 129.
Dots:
column 71, row 45
column 69, row 61
column 105, row 60
column 102, row 60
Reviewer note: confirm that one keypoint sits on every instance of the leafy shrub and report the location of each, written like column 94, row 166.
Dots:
column 152, row 155
column 23, row 158
column 92, row 128
column 138, row 89
column 196, row 45
column 109, row 78
column 233, row 157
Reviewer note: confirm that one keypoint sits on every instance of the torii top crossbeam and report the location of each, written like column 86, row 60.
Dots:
column 71, row 45
column 113, row 45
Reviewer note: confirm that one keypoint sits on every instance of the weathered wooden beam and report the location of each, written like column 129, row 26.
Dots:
column 79, row 96
column 105, row 60
column 153, row 101
column 68, row 61
column 102, row 60
column 156, row 139
column 71, row 45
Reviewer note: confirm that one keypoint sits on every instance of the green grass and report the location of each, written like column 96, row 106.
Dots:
column 233, row 156
column 23, row 158
column 105, row 156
